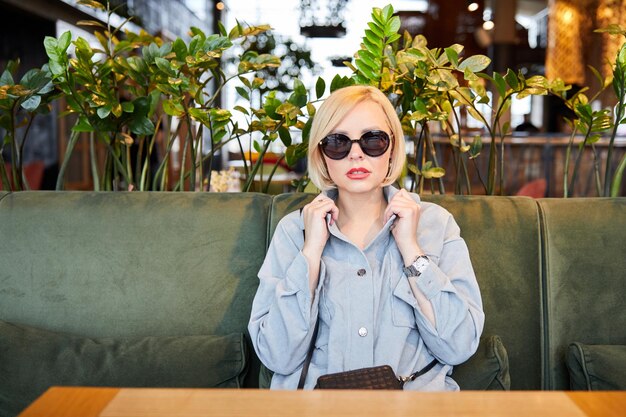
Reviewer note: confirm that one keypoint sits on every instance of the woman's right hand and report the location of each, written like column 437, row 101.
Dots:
column 316, row 230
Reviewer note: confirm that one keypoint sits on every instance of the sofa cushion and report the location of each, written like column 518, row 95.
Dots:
column 32, row 359
column 128, row 264
column 585, row 267
column 596, row 367
column 487, row 369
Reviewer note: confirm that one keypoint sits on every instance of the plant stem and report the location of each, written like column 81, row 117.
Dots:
column 501, row 163
column 199, row 146
column 618, row 117
column 579, row 156
column 617, row 180
column 93, row 162
column 3, row 174
column 418, row 144
column 189, row 139
column 161, row 170
column 468, row 184
column 66, row 158
column 568, row 152
column 269, row 178
column 596, row 170
column 15, row 152
column 119, row 167
column 181, row 185
column 106, row 179
column 146, row 165
column 256, row 167
column 20, row 168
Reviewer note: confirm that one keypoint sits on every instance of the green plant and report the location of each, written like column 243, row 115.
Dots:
column 123, row 91
column 20, row 103
column 594, row 124
column 434, row 85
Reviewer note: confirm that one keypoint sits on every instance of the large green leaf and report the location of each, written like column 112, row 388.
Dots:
column 285, row 135
column 64, row 41
column 200, row 115
column 320, row 87
column 369, row 59
column 452, row 56
column 270, row 106
column 372, row 44
column 31, row 103
column 512, row 80
column 393, row 26
column 475, row 63
column 141, row 126
column 83, row 125
column 243, row 93
column 376, row 30
column 500, row 83
column 366, row 70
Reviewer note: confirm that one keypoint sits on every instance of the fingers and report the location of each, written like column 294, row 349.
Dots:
column 402, row 205
column 321, row 206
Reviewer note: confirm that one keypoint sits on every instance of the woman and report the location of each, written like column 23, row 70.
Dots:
column 388, row 276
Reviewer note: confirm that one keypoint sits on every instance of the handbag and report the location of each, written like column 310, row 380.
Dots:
column 376, row 377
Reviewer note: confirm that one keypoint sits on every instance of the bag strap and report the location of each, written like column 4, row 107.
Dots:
column 405, row 379
column 309, row 355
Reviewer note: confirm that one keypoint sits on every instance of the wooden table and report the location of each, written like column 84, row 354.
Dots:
column 155, row 402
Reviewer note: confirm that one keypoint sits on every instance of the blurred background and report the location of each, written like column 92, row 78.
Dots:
column 315, row 37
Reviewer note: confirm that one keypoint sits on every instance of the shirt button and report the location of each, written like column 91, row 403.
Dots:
column 362, row 332
column 361, row 272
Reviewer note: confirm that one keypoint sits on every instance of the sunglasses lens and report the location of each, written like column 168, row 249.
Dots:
column 375, row 143
column 336, row 146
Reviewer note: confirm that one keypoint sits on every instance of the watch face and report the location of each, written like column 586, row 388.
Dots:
column 416, row 269
column 421, row 264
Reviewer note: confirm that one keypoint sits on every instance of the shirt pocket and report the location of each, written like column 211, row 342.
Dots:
column 402, row 305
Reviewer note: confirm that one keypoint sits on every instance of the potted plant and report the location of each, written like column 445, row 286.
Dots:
column 125, row 90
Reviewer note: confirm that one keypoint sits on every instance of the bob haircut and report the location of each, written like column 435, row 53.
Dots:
column 333, row 111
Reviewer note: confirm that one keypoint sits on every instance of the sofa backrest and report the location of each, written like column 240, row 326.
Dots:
column 168, row 264
column 502, row 234
column 132, row 264
column 585, row 269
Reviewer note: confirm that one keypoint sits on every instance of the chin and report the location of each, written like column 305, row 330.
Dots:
column 358, row 186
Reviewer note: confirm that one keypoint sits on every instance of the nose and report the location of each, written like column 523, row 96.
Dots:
column 356, row 152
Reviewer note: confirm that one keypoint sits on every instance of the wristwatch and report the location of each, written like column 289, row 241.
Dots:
column 417, row 267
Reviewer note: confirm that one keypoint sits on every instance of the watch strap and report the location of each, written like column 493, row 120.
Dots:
column 412, row 270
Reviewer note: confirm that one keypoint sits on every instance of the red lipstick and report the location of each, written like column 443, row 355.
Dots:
column 358, row 173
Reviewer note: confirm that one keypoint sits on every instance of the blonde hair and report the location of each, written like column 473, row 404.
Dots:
column 333, row 111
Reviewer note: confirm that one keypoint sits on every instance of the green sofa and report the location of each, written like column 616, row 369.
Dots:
column 155, row 289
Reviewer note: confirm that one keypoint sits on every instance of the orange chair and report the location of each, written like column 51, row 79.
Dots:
column 33, row 172
column 534, row 189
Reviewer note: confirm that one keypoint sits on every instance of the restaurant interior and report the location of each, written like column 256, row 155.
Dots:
column 155, row 152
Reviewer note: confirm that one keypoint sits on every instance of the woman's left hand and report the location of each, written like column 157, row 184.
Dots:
column 404, row 229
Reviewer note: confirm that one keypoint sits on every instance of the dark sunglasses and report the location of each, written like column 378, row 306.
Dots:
column 373, row 143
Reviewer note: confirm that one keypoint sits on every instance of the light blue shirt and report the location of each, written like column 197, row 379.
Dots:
column 368, row 313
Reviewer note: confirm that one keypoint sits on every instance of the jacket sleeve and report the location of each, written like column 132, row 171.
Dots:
column 451, row 287
column 284, row 312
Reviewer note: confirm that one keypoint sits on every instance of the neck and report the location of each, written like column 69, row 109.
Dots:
column 364, row 208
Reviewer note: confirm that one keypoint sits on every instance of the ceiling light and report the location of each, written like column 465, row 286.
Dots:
column 488, row 25
column 472, row 7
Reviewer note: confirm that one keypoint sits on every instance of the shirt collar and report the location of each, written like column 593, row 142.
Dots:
column 388, row 191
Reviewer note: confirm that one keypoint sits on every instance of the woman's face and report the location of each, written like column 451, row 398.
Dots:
column 359, row 172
